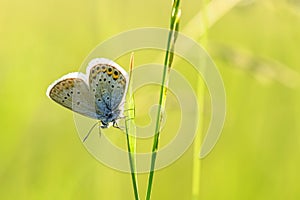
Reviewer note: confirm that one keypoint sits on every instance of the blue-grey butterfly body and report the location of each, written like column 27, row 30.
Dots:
column 98, row 94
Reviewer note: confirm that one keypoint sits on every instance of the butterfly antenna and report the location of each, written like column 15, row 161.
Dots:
column 99, row 129
column 87, row 135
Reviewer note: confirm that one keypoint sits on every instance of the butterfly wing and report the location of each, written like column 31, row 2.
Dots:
column 108, row 82
column 72, row 92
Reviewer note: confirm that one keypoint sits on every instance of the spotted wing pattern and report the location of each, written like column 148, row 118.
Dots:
column 72, row 92
column 99, row 94
column 108, row 83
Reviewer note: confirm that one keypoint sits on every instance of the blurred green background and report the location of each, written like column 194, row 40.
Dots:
column 256, row 47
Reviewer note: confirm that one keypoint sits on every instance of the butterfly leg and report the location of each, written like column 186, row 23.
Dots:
column 115, row 125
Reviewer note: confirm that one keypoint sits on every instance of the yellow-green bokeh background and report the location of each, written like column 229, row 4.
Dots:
column 256, row 47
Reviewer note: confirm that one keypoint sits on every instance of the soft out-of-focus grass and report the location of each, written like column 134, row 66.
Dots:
column 41, row 155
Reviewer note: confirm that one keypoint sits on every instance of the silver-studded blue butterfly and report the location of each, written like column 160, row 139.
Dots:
column 98, row 94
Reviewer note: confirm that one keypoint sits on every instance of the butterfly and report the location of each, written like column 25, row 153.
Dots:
column 98, row 94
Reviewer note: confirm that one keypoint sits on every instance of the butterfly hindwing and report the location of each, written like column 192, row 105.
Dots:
column 108, row 83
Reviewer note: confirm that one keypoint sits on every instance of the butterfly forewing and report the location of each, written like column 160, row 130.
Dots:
column 73, row 93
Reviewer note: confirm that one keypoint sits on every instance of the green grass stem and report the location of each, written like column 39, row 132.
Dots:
column 174, row 26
